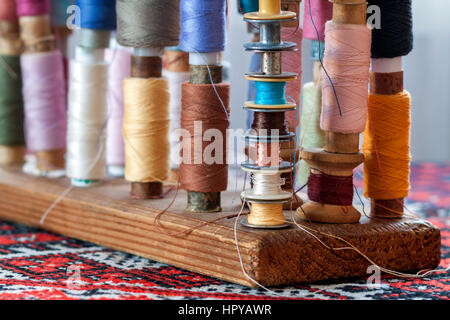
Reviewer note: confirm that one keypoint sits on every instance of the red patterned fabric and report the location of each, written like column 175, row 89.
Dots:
column 35, row 264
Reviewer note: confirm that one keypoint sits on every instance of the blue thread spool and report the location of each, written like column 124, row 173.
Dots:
column 202, row 25
column 270, row 93
column 248, row 6
column 98, row 14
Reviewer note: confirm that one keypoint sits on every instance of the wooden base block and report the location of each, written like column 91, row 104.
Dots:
column 105, row 215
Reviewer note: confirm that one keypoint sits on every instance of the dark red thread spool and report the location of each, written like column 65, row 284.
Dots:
column 327, row 189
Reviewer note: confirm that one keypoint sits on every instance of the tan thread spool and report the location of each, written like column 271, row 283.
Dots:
column 145, row 129
column 266, row 214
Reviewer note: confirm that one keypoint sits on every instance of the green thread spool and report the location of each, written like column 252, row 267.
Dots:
column 311, row 135
column 11, row 102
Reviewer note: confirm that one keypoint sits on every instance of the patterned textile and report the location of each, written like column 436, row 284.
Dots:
column 35, row 264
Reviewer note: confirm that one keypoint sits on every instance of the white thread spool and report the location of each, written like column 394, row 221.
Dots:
column 119, row 59
column 175, row 80
column 87, row 116
column 267, row 184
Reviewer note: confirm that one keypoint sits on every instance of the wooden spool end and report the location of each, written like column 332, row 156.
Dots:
column 36, row 34
column 12, row 155
column 11, row 46
column 386, row 84
column 50, row 160
column 176, row 61
column 291, row 6
column 336, row 142
column 9, row 28
column 146, row 67
column 200, row 74
column 349, row 11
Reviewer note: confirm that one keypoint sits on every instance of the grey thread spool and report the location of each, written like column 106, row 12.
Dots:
column 148, row 23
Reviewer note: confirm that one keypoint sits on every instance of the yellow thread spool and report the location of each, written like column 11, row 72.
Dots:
column 270, row 10
column 266, row 214
column 269, row 7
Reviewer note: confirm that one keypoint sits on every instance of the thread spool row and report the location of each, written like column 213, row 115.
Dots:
column 388, row 157
column 267, row 197
column 340, row 154
column 203, row 37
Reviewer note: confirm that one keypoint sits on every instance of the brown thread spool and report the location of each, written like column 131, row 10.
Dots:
column 266, row 123
column 203, row 181
column 386, row 84
column 341, row 151
column 146, row 67
column 198, row 201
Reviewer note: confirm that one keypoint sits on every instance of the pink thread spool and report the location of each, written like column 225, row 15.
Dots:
column 322, row 11
column 292, row 62
column 120, row 68
column 33, row 7
column 347, row 61
column 45, row 103
column 8, row 10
